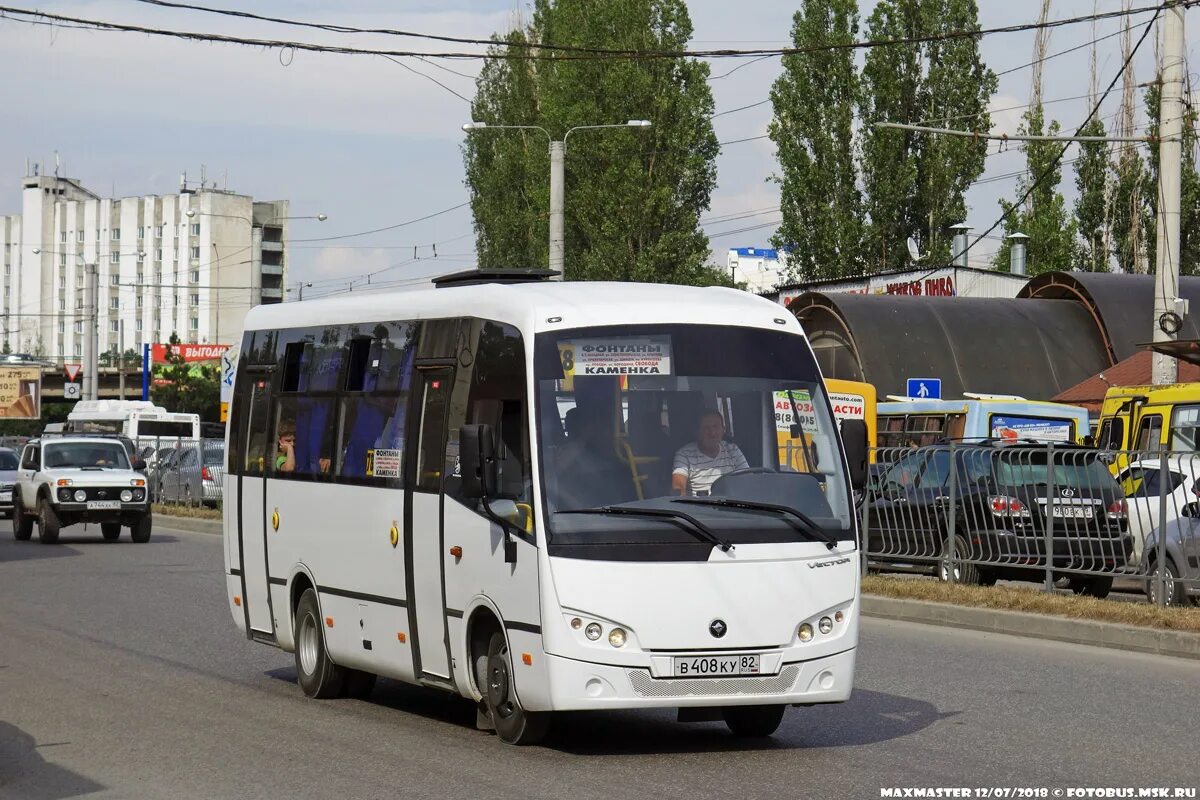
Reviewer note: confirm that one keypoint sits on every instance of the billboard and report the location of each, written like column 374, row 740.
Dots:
column 189, row 352
column 20, row 392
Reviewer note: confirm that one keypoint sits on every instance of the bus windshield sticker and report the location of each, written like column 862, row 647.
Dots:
column 783, row 411
column 631, row 355
column 383, row 463
column 848, row 406
column 1042, row 430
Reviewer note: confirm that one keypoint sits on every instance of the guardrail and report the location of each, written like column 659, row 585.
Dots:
column 978, row 512
column 184, row 472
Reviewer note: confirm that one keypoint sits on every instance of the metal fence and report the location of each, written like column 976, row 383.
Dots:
column 184, row 472
column 978, row 512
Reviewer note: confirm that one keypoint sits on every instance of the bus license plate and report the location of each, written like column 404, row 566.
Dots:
column 715, row 666
column 103, row 505
column 1073, row 512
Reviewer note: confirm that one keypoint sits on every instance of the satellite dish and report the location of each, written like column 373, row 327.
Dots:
column 913, row 251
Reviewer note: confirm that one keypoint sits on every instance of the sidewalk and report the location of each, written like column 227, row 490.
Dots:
column 1180, row 644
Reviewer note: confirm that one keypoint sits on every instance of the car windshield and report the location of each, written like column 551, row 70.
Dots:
column 9, row 460
column 685, row 418
column 109, row 455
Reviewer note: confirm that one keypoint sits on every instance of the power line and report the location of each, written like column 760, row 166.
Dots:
column 534, row 51
column 415, row 71
column 386, row 227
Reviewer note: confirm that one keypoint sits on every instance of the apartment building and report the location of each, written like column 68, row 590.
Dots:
column 192, row 264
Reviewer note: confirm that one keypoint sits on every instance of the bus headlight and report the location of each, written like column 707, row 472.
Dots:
column 616, row 637
column 126, row 496
column 593, row 631
column 805, row 633
column 825, row 625
column 80, row 495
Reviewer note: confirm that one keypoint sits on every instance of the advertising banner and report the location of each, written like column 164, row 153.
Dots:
column 20, row 392
column 1031, row 428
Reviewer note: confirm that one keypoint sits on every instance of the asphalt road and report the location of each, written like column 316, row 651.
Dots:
column 122, row 676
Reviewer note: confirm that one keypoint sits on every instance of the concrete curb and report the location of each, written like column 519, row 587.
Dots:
column 1179, row 644
column 189, row 524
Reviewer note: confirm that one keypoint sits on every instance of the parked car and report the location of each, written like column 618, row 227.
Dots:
column 1181, row 567
column 9, row 464
column 999, row 506
column 1143, row 483
column 193, row 475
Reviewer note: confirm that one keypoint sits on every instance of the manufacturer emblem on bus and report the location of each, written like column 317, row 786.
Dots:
column 717, row 628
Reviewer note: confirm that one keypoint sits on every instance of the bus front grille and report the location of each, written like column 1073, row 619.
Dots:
column 647, row 686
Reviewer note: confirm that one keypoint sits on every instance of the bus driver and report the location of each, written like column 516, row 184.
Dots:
column 698, row 464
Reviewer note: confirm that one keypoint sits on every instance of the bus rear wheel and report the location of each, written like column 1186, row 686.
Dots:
column 317, row 675
column 513, row 724
column 753, row 721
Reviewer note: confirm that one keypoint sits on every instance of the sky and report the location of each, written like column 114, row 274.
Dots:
column 372, row 143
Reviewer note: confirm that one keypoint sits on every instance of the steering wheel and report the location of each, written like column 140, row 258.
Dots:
column 751, row 471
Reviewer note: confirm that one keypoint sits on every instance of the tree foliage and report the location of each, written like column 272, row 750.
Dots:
column 194, row 388
column 814, row 101
column 1043, row 217
column 634, row 196
column 1091, row 183
column 1189, row 188
column 914, row 182
column 1129, row 211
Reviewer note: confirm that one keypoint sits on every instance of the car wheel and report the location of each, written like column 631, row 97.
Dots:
column 514, row 725
column 963, row 572
column 753, row 721
column 22, row 523
column 1090, row 586
column 110, row 530
column 139, row 531
column 48, row 523
column 1175, row 593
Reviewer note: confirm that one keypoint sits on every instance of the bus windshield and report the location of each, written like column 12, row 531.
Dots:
column 729, row 426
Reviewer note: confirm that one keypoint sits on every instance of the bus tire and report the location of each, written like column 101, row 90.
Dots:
column 358, row 684
column 140, row 530
column 48, row 523
column 317, row 675
column 22, row 522
column 514, row 725
column 753, row 721
column 110, row 530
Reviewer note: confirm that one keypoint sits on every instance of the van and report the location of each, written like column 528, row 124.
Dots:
column 908, row 422
column 1149, row 418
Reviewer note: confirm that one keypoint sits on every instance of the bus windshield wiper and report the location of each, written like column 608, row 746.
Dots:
column 692, row 526
column 797, row 519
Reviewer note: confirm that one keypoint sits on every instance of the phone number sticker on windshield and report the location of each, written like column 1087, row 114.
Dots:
column 784, row 415
column 641, row 355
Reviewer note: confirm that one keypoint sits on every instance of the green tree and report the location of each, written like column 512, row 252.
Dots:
column 1091, row 183
column 1129, row 211
column 914, row 182
column 1043, row 216
column 813, row 102
column 633, row 197
column 194, row 388
column 1189, row 189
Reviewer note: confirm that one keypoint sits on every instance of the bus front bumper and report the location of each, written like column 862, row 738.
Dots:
column 583, row 686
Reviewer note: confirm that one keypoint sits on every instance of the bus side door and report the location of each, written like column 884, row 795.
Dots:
column 254, row 524
column 423, row 521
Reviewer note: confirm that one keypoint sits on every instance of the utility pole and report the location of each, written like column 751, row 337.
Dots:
column 1167, row 316
column 558, row 153
column 121, row 358
column 91, row 333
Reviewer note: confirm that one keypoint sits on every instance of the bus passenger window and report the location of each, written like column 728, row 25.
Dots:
column 312, row 418
column 371, row 424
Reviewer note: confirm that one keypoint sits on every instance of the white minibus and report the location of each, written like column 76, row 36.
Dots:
column 493, row 486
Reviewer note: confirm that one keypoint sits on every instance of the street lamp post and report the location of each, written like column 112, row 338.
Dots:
column 558, row 158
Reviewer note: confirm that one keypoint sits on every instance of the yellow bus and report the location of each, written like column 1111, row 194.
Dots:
column 851, row 400
column 1150, row 418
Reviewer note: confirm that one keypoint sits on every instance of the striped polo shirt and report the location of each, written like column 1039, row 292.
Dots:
column 701, row 470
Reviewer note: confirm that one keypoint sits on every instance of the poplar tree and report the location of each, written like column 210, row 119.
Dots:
column 1091, row 183
column 1189, row 188
column 1043, row 216
column 914, row 182
column 814, row 102
column 634, row 196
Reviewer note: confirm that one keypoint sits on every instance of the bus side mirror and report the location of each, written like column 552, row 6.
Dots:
column 854, row 441
column 477, row 457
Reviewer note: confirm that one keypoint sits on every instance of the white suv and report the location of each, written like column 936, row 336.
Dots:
column 63, row 480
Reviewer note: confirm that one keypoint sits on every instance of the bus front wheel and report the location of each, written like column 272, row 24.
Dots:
column 753, row 721
column 514, row 725
column 317, row 675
